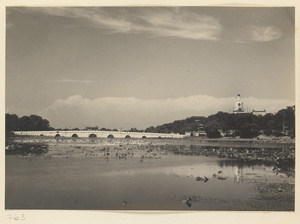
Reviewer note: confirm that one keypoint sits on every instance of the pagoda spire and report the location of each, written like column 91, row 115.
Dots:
column 238, row 106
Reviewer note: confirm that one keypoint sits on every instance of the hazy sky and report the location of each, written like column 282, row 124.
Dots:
column 141, row 66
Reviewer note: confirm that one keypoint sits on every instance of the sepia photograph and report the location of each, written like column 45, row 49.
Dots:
column 149, row 108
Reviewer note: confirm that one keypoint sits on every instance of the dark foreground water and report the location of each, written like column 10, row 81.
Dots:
column 169, row 182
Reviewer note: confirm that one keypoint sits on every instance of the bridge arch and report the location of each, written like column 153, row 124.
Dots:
column 144, row 136
column 127, row 136
column 41, row 135
column 74, row 136
column 92, row 136
column 110, row 136
column 57, row 135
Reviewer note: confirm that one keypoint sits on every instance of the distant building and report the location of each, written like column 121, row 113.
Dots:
column 238, row 106
column 259, row 112
column 221, row 132
column 91, row 127
column 198, row 129
column 195, row 133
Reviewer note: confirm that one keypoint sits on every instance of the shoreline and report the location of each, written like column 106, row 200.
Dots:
column 37, row 159
column 276, row 142
column 281, row 155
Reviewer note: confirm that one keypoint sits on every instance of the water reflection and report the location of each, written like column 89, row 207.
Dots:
column 240, row 164
column 166, row 177
column 26, row 149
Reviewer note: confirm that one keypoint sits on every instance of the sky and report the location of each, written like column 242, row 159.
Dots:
column 135, row 67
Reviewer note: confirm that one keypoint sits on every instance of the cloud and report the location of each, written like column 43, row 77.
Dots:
column 127, row 112
column 69, row 81
column 265, row 34
column 258, row 34
column 167, row 22
column 184, row 25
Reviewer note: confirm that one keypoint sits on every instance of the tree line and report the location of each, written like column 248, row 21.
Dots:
column 245, row 125
column 26, row 123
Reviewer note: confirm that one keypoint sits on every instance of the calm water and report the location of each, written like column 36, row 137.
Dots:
column 96, row 183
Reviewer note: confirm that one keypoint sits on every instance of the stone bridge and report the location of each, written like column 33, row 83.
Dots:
column 99, row 134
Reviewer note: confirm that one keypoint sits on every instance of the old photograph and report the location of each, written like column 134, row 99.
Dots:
column 150, row 108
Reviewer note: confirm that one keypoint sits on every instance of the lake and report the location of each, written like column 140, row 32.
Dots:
column 77, row 176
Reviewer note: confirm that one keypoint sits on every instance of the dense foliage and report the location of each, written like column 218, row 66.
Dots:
column 26, row 123
column 178, row 126
column 245, row 125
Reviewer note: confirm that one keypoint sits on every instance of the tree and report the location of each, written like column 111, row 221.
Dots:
column 11, row 122
column 26, row 123
column 150, row 129
column 38, row 123
column 248, row 133
column 213, row 134
column 285, row 120
column 246, row 125
column 135, row 130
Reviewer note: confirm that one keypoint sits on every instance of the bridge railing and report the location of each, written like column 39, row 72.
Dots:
column 147, row 134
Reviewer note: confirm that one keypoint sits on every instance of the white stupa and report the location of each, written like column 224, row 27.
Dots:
column 238, row 106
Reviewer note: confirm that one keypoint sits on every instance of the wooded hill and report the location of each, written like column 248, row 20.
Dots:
column 245, row 125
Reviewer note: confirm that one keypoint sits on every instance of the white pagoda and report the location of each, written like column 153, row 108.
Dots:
column 238, row 106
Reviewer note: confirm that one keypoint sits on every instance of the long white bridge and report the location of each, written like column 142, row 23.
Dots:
column 99, row 134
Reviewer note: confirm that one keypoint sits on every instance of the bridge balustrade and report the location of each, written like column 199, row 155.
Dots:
column 100, row 134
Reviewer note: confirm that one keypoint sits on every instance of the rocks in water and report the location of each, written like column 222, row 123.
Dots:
column 25, row 149
column 222, row 178
column 219, row 176
column 187, row 201
column 199, row 179
column 205, row 179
